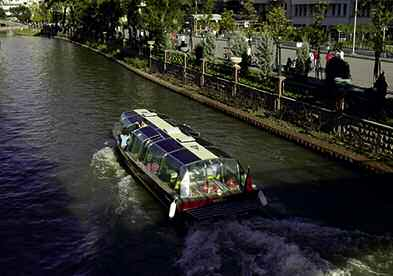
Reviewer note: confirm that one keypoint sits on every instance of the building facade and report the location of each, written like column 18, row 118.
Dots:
column 300, row 12
column 8, row 4
column 338, row 12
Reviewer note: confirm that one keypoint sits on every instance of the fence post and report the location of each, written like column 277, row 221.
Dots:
column 279, row 91
column 185, row 67
column 165, row 57
column 202, row 80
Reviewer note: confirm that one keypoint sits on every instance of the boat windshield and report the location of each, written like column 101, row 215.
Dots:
column 211, row 177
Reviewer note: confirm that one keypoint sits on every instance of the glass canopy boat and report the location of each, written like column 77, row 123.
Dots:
column 186, row 173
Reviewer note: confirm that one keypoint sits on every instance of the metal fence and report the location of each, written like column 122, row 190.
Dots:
column 362, row 134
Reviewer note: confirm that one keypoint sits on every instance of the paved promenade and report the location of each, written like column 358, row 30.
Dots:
column 361, row 67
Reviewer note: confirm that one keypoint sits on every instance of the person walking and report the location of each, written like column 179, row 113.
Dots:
column 317, row 62
column 329, row 56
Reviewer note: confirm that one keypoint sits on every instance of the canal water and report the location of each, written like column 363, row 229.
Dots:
column 68, row 207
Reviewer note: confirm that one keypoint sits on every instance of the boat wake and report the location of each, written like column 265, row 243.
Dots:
column 130, row 195
column 105, row 164
column 279, row 248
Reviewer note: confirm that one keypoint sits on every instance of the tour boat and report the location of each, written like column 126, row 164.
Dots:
column 186, row 173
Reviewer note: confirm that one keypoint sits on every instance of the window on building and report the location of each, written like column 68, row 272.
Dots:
column 333, row 9
column 345, row 10
column 296, row 10
column 338, row 9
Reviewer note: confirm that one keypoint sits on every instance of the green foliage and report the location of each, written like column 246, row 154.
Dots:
column 248, row 12
column 22, row 13
column 2, row 13
column 137, row 62
column 39, row 12
column 227, row 22
column 382, row 16
column 207, row 10
column 238, row 45
column 163, row 41
column 209, row 46
column 278, row 23
column 102, row 47
column 163, row 16
column 264, row 55
column 315, row 34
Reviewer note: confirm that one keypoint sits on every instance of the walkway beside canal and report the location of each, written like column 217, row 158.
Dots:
column 274, row 126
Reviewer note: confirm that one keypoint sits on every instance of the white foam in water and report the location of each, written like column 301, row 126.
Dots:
column 273, row 248
column 124, row 193
column 105, row 164
column 131, row 201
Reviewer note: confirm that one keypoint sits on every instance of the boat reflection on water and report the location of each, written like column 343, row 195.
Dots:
column 186, row 173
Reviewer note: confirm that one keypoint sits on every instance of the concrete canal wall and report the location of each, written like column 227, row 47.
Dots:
column 323, row 147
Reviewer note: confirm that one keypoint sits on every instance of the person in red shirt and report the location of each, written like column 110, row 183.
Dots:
column 329, row 56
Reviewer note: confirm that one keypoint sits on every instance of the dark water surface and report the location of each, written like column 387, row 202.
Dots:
column 67, row 207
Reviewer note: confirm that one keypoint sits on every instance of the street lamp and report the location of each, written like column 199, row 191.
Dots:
column 236, row 66
column 278, row 55
column 151, row 45
column 140, row 33
column 354, row 27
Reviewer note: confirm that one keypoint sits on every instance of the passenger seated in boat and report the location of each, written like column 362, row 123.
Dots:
column 124, row 137
column 231, row 183
column 141, row 124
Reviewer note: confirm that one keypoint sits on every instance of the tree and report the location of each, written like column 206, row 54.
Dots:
column 162, row 17
column 248, row 12
column 238, row 45
column 279, row 26
column 264, row 54
column 22, row 13
column 39, row 12
column 209, row 46
column 2, row 13
column 316, row 34
column 227, row 23
column 207, row 9
column 381, row 17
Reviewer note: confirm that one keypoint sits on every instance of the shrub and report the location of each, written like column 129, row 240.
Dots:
column 238, row 44
column 264, row 55
column 209, row 46
column 137, row 62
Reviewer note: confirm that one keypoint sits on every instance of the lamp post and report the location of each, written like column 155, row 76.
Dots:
column 151, row 45
column 236, row 66
column 140, row 6
column 354, row 27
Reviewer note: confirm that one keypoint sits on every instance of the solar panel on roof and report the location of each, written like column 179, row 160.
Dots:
column 169, row 145
column 184, row 156
column 149, row 131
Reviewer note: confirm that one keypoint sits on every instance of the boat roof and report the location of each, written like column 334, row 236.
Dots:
column 186, row 141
